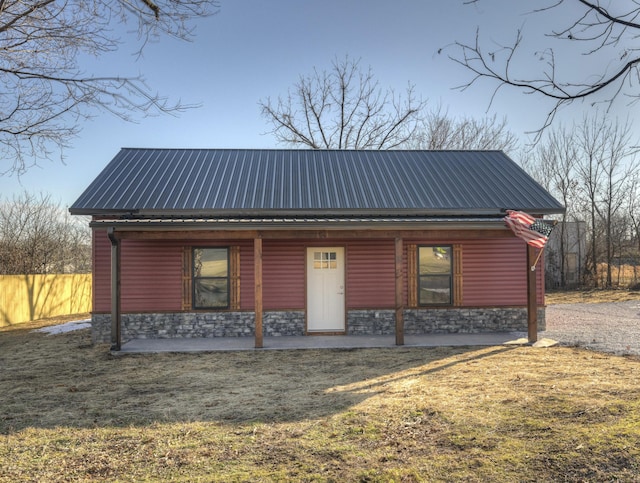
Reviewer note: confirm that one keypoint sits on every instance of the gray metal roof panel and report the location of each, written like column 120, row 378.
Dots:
column 259, row 181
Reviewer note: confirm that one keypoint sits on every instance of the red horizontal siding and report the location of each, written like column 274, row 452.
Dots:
column 495, row 273
column 371, row 274
column 247, row 290
column 151, row 276
column 101, row 271
column 283, row 275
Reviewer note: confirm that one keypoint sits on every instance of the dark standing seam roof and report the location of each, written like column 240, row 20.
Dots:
column 214, row 181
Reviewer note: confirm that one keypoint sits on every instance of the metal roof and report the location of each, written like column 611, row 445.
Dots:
column 215, row 182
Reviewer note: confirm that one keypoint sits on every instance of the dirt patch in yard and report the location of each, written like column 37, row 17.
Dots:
column 72, row 412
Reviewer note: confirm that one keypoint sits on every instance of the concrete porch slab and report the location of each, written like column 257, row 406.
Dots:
column 314, row 342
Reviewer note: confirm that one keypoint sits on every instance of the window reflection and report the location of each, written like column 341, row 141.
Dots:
column 435, row 275
column 210, row 278
column 325, row 260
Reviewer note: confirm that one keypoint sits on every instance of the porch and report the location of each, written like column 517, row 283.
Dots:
column 213, row 344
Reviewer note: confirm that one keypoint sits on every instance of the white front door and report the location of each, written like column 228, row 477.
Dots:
column 325, row 289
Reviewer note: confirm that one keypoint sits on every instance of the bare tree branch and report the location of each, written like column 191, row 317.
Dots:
column 609, row 29
column 44, row 95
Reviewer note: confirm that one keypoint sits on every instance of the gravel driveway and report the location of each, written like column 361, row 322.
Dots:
column 608, row 327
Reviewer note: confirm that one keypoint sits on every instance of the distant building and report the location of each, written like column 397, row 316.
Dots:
column 575, row 252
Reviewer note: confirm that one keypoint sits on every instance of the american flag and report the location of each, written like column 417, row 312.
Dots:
column 534, row 232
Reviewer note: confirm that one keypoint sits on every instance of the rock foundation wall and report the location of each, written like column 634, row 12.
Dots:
column 292, row 323
column 197, row 325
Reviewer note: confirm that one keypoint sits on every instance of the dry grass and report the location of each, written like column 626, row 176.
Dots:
column 73, row 412
column 591, row 296
column 621, row 276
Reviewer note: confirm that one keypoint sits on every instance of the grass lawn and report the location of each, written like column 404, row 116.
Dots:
column 70, row 411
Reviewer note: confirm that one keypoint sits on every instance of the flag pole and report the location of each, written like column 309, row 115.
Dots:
column 535, row 233
column 533, row 267
column 532, row 298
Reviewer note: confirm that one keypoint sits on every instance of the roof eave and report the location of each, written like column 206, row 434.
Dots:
column 457, row 212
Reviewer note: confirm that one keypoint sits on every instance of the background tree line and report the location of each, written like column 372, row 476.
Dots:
column 38, row 236
column 591, row 166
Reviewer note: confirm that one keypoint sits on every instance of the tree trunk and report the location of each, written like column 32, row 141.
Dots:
column 594, row 258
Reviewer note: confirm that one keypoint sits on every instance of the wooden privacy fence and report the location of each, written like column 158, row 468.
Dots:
column 29, row 297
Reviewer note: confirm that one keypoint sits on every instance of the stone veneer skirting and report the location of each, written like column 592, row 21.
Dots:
column 292, row 323
column 442, row 321
column 197, row 324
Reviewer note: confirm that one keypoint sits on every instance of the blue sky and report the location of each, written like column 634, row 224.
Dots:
column 253, row 49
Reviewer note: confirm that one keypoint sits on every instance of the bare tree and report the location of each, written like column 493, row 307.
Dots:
column 619, row 166
column 343, row 108
column 606, row 161
column 45, row 93
column 591, row 167
column 38, row 236
column 590, row 141
column 440, row 131
column 610, row 29
column 555, row 161
column 633, row 215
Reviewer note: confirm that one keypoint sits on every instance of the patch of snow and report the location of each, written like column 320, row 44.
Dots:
column 68, row 327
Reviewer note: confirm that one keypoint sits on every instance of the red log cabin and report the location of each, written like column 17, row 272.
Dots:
column 254, row 243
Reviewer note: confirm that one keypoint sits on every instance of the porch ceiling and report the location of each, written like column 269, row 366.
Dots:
column 296, row 223
column 330, row 227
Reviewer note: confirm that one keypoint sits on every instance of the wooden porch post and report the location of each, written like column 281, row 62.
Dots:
column 532, row 296
column 399, row 286
column 116, row 322
column 257, row 264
